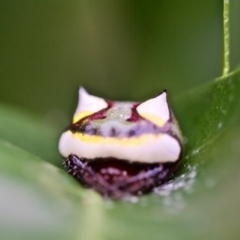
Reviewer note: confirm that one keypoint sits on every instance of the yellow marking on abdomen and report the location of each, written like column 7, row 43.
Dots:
column 113, row 140
column 81, row 115
column 153, row 118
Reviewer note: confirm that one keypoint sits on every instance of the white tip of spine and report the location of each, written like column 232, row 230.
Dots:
column 155, row 108
column 89, row 103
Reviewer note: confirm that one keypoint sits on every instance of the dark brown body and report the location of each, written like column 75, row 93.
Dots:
column 116, row 178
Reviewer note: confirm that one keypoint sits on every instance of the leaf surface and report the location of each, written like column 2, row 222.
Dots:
column 40, row 201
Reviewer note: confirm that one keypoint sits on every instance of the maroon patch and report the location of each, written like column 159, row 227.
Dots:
column 135, row 117
column 118, row 178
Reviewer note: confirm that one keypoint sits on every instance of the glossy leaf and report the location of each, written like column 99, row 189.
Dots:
column 40, row 201
column 30, row 133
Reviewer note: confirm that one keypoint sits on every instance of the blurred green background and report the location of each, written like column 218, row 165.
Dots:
column 117, row 49
column 123, row 50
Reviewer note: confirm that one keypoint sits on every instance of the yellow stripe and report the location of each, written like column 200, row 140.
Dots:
column 113, row 140
column 153, row 118
column 81, row 115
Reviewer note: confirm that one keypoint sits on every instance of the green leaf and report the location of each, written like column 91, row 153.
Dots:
column 29, row 132
column 37, row 200
column 40, row 201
